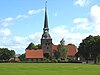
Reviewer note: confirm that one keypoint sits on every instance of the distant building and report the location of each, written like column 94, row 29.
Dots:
column 16, row 59
column 47, row 47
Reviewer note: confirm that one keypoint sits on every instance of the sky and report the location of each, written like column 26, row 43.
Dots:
column 21, row 21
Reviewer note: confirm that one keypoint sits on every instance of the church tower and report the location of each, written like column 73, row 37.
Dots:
column 46, row 40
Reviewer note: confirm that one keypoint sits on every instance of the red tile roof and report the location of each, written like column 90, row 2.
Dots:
column 72, row 49
column 34, row 53
column 14, row 59
column 17, row 59
column 54, row 47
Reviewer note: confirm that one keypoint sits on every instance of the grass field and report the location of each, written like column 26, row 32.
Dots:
column 48, row 69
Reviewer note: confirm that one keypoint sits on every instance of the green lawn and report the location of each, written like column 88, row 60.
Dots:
column 48, row 69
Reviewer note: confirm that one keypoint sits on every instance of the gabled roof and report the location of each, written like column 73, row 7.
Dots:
column 72, row 49
column 34, row 53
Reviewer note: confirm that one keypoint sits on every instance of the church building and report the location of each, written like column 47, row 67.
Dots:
column 47, row 47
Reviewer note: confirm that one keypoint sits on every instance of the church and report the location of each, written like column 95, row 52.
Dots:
column 47, row 46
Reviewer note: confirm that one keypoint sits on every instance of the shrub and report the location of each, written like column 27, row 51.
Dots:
column 54, row 61
column 45, row 60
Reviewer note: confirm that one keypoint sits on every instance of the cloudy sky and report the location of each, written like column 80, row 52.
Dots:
column 21, row 21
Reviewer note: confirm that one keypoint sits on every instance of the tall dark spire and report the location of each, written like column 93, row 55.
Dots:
column 46, row 40
column 46, row 34
column 46, row 19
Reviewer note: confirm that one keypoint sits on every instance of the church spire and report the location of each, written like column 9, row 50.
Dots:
column 46, row 29
column 46, row 34
column 46, row 40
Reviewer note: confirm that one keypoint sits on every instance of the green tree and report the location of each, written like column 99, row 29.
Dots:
column 12, row 53
column 89, row 48
column 62, row 50
column 6, row 54
column 56, row 54
column 33, row 46
column 38, row 46
column 98, row 58
column 47, row 55
column 22, row 57
column 96, row 48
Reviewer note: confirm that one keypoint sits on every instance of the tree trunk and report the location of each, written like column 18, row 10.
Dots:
column 95, row 60
column 98, row 60
column 87, row 61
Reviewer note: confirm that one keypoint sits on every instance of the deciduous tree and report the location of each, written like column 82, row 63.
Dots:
column 62, row 50
column 6, row 54
column 89, row 48
column 33, row 46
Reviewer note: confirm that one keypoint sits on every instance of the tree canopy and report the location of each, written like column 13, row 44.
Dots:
column 62, row 50
column 22, row 57
column 90, row 48
column 33, row 46
column 6, row 54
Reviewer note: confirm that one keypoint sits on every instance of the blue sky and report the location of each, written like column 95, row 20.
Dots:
column 21, row 21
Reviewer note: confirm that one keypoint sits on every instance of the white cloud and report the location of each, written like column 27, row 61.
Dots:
column 60, row 30
column 29, row 13
column 80, row 20
column 6, row 22
column 21, row 17
column 97, row 29
column 70, row 37
column 4, row 27
column 82, row 23
column 32, row 12
column 5, row 32
column 17, row 43
column 35, row 37
column 9, row 19
column 19, row 40
column 22, row 42
column 81, row 3
column 91, row 22
column 95, row 13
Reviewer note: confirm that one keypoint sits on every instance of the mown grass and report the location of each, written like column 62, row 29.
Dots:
column 48, row 69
